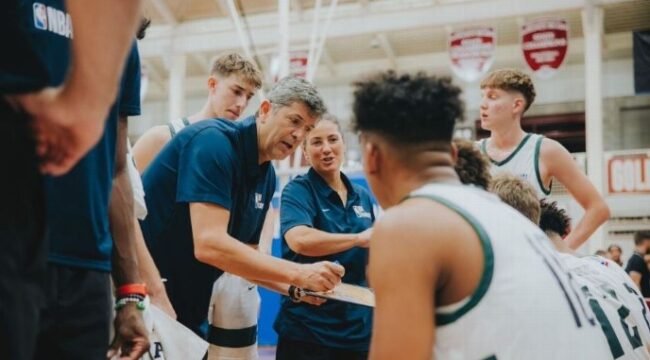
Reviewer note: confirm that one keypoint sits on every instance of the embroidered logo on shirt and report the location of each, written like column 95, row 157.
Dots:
column 53, row 20
column 259, row 204
column 361, row 212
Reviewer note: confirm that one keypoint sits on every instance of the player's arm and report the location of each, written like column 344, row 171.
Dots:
column 297, row 213
column 149, row 145
column 403, row 273
column 313, row 242
column 214, row 246
column 560, row 165
column 129, row 324
column 69, row 120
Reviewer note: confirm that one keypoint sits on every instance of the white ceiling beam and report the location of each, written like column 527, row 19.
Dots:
column 210, row 35
column 329, row 62
column 505, row 55
column 164, row 11
column 385, row 45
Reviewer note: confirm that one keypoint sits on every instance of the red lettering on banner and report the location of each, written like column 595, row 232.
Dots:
column 544, row 44
column 629, row 174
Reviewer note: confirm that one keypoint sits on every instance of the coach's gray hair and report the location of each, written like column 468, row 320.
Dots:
column 292, row 89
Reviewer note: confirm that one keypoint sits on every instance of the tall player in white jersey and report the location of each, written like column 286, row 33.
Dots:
column 457, row 274
column 506, row 95
column 612, row 296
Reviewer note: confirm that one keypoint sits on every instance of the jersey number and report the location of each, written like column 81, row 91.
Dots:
column 612, row 340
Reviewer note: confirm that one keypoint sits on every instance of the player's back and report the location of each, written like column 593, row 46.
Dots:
column 624, row 313
column 526, row 306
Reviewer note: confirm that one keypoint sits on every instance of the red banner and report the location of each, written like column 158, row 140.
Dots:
column 629, row 174
column 544, row 43
column 298, row 63
column 471, row 52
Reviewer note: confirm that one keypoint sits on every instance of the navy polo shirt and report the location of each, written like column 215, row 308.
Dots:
column 77, row 203
column 308, row 200
column 35, row 36
column 213, row 161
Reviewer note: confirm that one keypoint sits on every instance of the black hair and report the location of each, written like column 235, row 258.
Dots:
column 554, row 219
column 640, row 236
column 614, row 246
column 472, row 166
column 407, row 109
column 142, row 29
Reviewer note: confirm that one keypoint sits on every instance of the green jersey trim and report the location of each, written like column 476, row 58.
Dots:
column 538, row 147
column 510, row 157
column 488, row 266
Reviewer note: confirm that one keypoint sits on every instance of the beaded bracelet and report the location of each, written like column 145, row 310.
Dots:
column 138, row 299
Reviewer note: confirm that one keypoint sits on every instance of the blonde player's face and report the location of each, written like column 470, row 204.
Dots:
column 497, row 108
column 229, row 96
column 324, row 148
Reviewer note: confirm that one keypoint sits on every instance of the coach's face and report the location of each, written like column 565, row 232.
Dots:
column 282, row 128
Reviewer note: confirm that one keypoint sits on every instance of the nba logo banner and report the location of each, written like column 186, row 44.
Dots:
column 40, row 16
column 471, row 52
column 544, row 43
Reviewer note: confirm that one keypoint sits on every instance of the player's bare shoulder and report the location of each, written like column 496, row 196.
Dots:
column 149, row 144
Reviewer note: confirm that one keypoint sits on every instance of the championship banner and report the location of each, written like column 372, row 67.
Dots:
column 471, row 51
column 544, row 43
column 298, row 63
column 629, row 173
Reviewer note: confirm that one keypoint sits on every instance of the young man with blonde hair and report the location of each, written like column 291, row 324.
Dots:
column 517, row 193
column 506, row 96
column 233, row 81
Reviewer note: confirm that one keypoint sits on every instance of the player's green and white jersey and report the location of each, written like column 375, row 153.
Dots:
column 621, row 311
column 527, row 305
column 522, row 162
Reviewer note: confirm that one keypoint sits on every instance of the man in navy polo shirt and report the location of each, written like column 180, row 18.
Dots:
column 68, row 120
column 208, row 192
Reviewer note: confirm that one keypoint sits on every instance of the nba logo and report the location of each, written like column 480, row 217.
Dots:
column 40, row 16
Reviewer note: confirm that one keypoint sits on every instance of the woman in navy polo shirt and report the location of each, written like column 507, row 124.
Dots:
column 325, row 217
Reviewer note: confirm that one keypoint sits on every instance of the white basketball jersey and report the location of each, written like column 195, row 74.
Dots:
column 235, row 305
column 621, row 313
column 522, row 162
column 527, row 305
column 177, row 125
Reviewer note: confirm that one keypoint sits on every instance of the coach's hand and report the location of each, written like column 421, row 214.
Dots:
column 131, row 338
column 320, row 276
